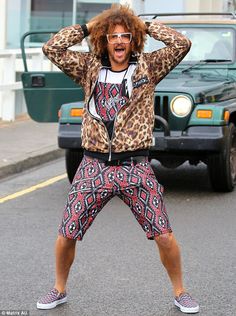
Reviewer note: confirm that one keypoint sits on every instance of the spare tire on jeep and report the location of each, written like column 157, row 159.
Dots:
column 73, row 160
column 222, row 166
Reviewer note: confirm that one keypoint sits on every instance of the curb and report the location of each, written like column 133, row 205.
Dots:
column 30, row 162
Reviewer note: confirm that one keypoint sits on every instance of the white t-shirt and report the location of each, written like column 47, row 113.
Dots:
column 112, row 92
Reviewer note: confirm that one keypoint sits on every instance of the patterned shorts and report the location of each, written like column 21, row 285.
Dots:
column 95, row 184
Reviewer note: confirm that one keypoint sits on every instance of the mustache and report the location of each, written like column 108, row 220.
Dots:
column 119, row 46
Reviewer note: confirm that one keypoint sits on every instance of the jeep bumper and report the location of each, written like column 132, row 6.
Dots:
column 194, row 139
column 69, row 136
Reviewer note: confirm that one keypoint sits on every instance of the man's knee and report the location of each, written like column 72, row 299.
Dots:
column 65, row 242
column 165, row 240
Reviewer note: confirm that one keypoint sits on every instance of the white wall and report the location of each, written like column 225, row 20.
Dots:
column 186, row 5
column 3, row 21
column 2, row 43
column 18, row 19
column 137, row 5
column 164, row 6
column 13, row 23
column 204, row 5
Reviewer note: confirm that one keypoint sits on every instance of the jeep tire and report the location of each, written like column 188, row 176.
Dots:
column 222, row 166
column 73, row 159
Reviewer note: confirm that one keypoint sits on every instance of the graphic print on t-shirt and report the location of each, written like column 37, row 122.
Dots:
column 111, row 97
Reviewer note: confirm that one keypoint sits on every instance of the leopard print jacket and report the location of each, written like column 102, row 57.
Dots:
column 134, row 123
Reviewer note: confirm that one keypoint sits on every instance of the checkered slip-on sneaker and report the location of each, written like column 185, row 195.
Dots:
column 186, row 304
column 51, row 300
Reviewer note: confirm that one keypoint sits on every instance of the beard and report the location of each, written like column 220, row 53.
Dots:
column 119, row 54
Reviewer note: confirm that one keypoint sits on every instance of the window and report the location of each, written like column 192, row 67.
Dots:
column 53, row 14
column 207, row 43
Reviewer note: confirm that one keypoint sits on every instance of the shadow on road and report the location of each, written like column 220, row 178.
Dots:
column 184, row 178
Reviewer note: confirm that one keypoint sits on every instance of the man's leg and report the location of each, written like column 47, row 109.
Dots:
column 146, row 203
column 170, row 257
column 65, row 253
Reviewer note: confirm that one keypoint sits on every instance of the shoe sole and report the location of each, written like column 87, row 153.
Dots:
column 51, row 305
column 187, row 310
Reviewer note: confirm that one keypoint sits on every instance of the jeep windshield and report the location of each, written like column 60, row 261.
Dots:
column 208, row 43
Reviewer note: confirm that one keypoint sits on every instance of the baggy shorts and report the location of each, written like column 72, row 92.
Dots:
column 96, row 183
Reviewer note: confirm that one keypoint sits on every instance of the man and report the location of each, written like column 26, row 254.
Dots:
column 119, row 82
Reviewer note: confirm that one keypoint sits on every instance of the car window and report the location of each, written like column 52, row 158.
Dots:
column 207, row 43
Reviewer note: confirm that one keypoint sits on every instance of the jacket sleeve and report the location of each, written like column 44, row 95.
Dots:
column 162, row 61
column 72, row 63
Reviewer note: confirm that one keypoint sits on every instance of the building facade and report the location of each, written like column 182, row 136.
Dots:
column 20, row 16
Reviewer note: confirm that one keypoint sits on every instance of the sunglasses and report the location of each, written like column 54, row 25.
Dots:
column 119, row 38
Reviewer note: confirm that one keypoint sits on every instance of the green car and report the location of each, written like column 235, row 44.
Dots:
column 195, row 105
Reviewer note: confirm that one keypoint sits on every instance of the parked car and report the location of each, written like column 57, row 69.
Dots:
column 195, row 105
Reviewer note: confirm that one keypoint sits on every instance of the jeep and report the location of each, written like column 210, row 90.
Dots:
column 195, row 104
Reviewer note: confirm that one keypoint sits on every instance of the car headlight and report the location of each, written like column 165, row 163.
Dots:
column 181, row 105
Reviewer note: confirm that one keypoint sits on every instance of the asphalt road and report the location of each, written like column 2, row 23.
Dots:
column 117, row 272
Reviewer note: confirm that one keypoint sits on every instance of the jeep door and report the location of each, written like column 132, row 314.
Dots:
column 46, row 88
